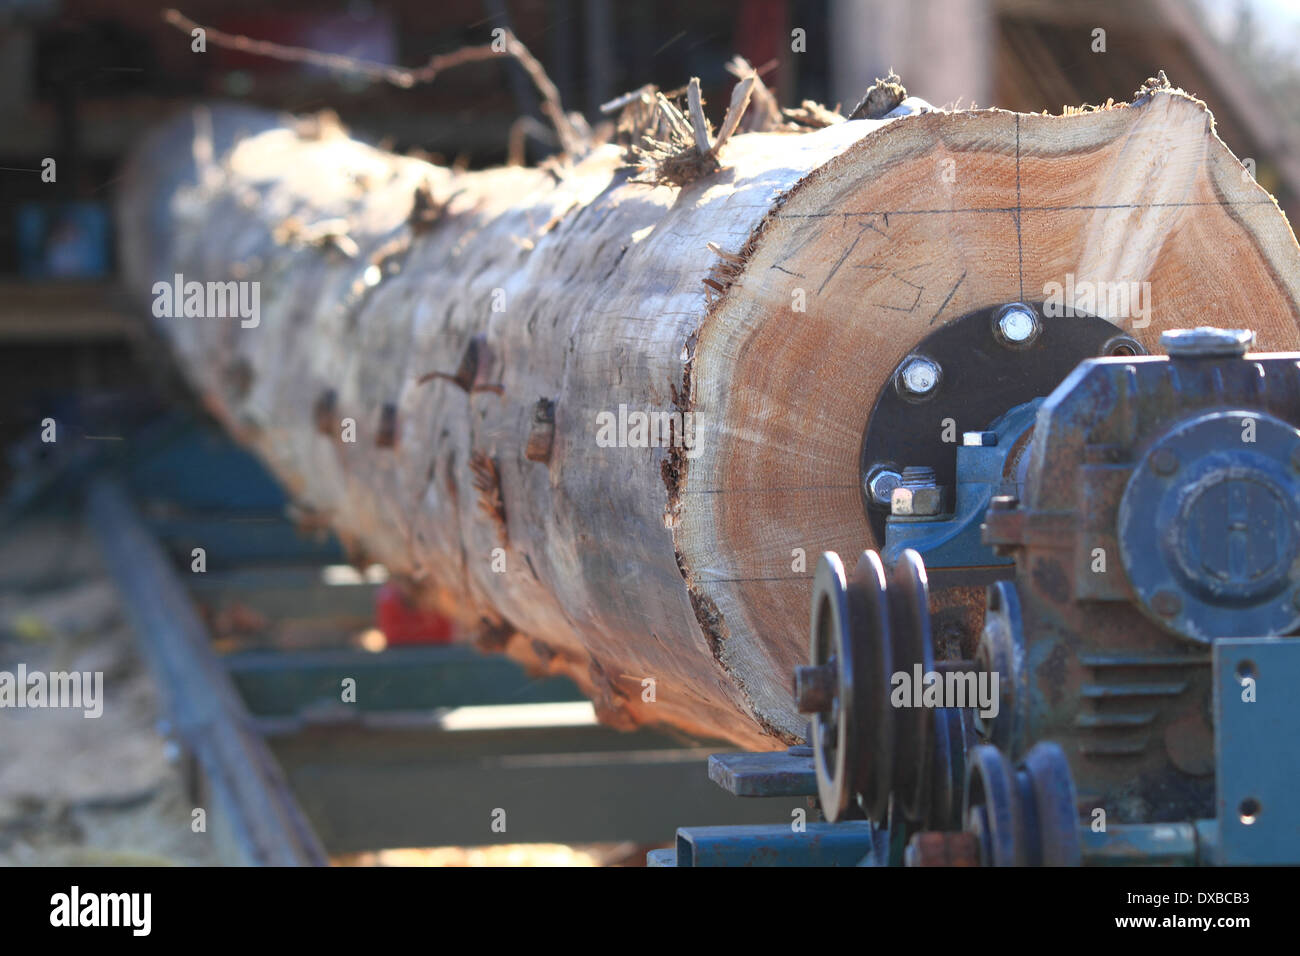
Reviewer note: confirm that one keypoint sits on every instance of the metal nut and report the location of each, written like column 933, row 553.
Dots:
column 917, row 501
column 1018, row 325
column 919, row 376
column 919, row 494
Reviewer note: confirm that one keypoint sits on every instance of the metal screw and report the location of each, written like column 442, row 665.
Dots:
column 1206, row 342
column 1164, row 462
column 1018, row 325
column 880, row 483
column 919, row 376
column 1166, row 603
column 814, row 688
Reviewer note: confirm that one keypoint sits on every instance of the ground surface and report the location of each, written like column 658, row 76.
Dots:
column 77, row 790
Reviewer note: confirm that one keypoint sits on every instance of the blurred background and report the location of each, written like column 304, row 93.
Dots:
column 81, row 81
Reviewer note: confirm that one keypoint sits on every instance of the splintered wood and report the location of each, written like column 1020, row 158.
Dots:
column 613, row 423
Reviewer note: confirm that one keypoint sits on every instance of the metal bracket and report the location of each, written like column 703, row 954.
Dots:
column 787, row 773
column 1256, row 725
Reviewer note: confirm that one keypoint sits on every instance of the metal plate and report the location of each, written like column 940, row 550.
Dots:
column 982, row 378
column 1259, row 761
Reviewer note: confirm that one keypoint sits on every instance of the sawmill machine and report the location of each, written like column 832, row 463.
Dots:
column 1092, row 598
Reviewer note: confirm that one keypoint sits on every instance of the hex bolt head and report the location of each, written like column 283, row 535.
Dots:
column 1164, row 462
column 918, row 377
column 1166, row 603
column 814, row 688
column 1018, row 325
column 880, row 484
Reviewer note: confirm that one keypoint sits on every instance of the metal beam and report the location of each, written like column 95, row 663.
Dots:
column 250, row 800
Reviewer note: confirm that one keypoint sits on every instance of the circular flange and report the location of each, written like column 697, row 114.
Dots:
column 981, row 378
column 1209, row 527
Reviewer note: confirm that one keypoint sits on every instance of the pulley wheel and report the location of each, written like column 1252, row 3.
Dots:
column 914, row 736
column 873, row 646
column 834, row 730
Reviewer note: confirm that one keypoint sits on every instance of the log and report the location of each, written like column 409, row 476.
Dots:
column 483, row 330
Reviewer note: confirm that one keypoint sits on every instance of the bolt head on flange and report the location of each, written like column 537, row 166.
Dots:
column 880, row 483
column 918, row 377
column 1207, row 342
column 1017, row 325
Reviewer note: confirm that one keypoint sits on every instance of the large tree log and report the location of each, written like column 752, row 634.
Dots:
column 577, row 287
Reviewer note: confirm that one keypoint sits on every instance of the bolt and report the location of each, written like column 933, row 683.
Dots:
column 919, row 494
column 1207, row 342
column 919, row 377
column 1164, row 462
column 1166, row 603
column 880, row 483
column 1018, row 325
column 814, row 688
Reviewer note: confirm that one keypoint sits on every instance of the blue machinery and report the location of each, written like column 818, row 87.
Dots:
column 1135, row 539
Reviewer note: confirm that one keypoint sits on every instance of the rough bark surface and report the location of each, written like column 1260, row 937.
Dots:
column 474, row 325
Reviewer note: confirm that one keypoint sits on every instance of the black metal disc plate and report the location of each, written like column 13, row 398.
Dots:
column 981, row 378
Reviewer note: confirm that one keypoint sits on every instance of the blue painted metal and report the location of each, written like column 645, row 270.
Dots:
column 287, row 683
column 1149, row 844
column 1257, row 725
column 953, row 540
column 818, row 844
column 1210, row 526
column 781, row 773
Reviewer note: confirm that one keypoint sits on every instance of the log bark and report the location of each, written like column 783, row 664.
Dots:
column 480, row 327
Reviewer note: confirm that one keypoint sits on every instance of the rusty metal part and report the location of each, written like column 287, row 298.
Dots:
column 937, row 848
column 1145, row 503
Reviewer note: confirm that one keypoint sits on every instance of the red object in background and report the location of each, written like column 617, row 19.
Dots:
column 403, row 623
